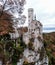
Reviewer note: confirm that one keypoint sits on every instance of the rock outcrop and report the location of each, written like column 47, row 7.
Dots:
column 34, row 53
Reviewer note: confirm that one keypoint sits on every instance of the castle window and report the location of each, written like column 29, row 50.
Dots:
column 34, row 29
column 29, row 16
column 36, row 24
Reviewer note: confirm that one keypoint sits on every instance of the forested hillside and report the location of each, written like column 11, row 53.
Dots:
column 49, row 43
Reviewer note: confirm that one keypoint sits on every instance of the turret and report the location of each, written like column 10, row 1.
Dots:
column 30, row 18
column 30, row 14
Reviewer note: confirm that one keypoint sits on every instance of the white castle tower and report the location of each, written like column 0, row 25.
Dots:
column 30, row 14
column 30, row 18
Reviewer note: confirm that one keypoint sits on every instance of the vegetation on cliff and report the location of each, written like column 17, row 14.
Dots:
column 10, row 52
column 49, row 43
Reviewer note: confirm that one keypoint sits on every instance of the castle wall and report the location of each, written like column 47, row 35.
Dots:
column 26, row 38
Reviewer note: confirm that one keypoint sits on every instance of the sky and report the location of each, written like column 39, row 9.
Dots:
column 45, row 12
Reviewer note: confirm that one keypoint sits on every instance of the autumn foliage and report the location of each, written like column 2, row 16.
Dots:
column 49, row 43
column 5, row 24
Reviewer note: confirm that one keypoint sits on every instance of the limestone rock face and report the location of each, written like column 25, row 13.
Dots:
column 30, row 55
column 34, row 53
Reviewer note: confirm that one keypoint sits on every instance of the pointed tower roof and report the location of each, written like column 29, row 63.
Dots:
column 35, row 17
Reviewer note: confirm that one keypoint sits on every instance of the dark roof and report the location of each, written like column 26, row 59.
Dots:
column 23, row 30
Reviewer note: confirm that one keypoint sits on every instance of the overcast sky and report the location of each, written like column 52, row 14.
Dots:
column 45, row 12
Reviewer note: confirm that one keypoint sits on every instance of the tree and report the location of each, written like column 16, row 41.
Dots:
column 8, row 9
column 13, row 7
column 6, row 24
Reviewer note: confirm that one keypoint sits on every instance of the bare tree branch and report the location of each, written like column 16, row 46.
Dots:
column 3, row 7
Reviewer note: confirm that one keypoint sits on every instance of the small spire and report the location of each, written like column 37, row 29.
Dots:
column 35, row 17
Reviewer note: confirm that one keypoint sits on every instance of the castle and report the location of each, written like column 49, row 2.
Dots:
column 34, row 27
